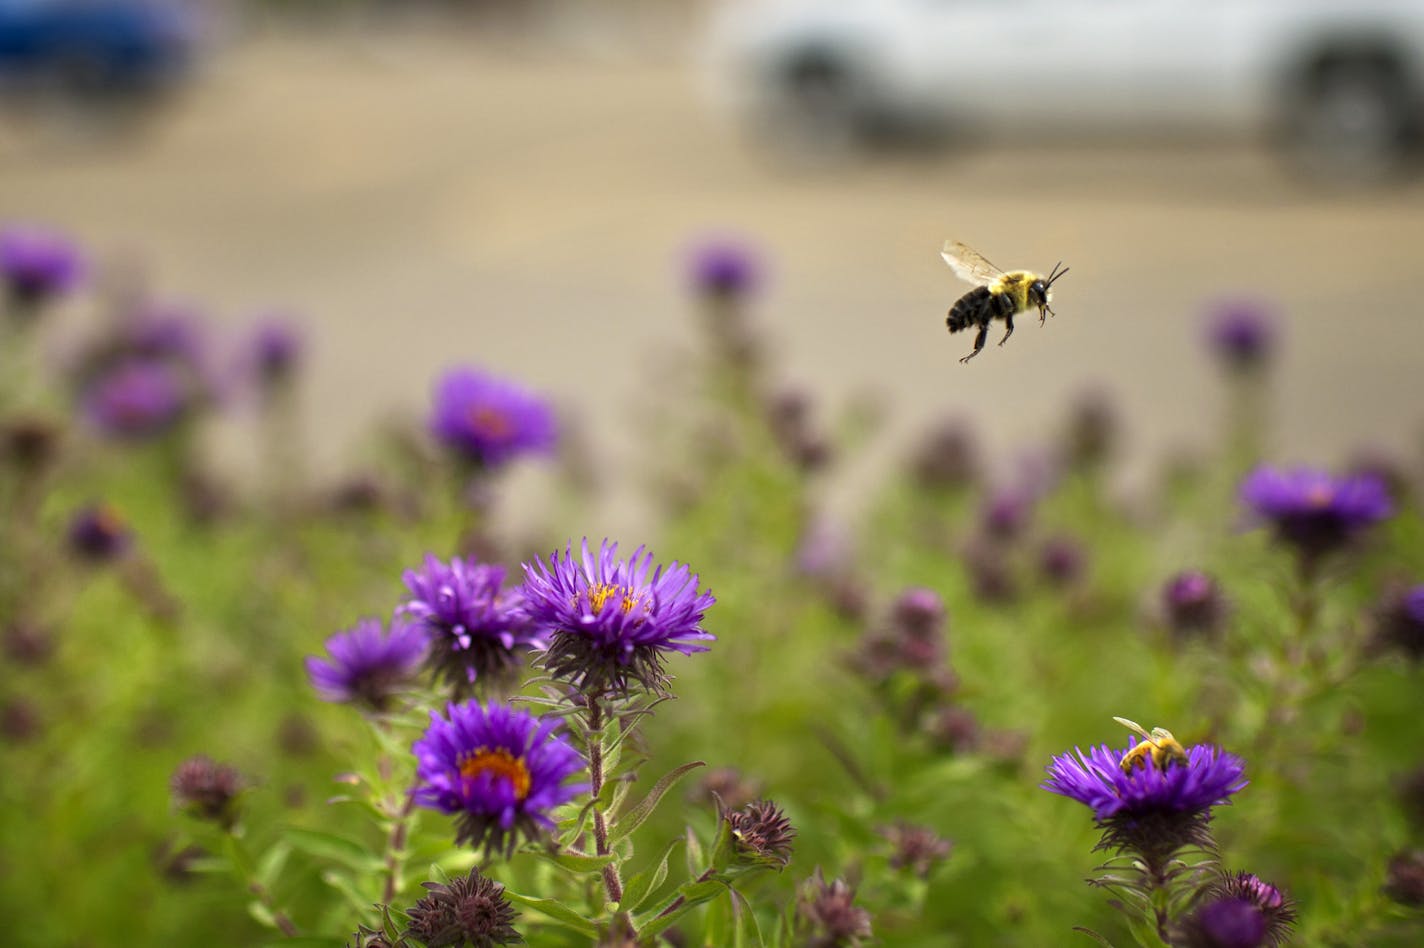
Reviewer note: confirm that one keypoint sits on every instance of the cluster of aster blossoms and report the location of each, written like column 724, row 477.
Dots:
column 498, row 770
column 488, row 421
column 1313, row 512
column 610, row 622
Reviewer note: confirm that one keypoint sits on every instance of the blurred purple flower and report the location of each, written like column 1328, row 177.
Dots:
column 274, row 351
column 1192, row 604
column 477, row 628
column 947, row 457
column 489, row 421
column 1242, row 333
column 1399, row 621
column 1006, row 513
column 136, row 400
column 37, row 265
column 1062, row 560
column 498, row 770
column 610, row 622
column 1312, row 511
column 98, row 534
column 368, row 666
column 724, row 268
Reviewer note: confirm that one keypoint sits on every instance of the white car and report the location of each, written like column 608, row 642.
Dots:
column 1341, row 81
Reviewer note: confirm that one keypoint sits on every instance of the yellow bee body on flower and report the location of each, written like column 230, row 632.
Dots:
column 1157, row 746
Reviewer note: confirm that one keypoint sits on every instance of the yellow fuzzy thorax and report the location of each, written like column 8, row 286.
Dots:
column 1016, row 284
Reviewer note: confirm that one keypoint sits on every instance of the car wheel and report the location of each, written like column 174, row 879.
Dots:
column 1351, row 120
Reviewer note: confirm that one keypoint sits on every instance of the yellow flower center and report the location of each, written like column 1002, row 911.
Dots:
column 500, row 763
column 600, row 593
column 490, row 422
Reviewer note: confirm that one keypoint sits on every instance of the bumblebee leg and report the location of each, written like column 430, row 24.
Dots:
column 978, row 342
column 1010, row 323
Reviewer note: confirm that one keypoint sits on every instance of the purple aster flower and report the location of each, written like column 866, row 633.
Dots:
column 37, row 265
column 98, row 533
column 610, row 622
column 136, row 400
column 1312, row 511
column 828, row 915
column 1155, row 808
column 724, row 269
column 1239, row 910
column 477, row 628
column 498, row 770
column 1242, row 334
column 1006, row 514
column 1224, row 923
column 368, row 665
column 1192, row 604
column 489, row 421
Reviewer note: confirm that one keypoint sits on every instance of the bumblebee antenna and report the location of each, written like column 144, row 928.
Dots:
column 1055, row 273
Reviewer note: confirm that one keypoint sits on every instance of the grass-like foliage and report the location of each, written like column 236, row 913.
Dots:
column 358, row 713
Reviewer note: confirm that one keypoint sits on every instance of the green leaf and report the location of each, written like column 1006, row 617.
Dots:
column 262, row 914
column 643, row 884
column 575, row 862
column 694, row 854
column 693, row 894
column 556, row 911
column 333, row 848
column 341, row 882
column 747, row 931
column 273, row 861
column 640, row 811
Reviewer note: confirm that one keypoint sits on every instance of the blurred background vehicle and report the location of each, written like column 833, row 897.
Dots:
column 1338, row 84
column 93, row 49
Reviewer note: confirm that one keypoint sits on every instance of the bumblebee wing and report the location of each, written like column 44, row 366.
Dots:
column 968, row 264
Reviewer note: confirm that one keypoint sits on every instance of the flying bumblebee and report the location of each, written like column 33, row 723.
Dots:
column 996, row 294
column 1160, row 747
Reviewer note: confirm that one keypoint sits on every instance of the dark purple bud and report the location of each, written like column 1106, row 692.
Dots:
column 1006, row 514
column 954, row 728
column 207, row 790
column 916, row 848
column 98, row 534
column 20, row 721
column 1093, row 430
column 724, row 269
column 947, row 458
column 828, row 912
column 29, row 443
column 276, row 351
column 28, row 644
column 469, row 910
column 1404, row 878
column 1399, row 622
column 1192, row 604
column 762, row 834
column 1227, row 923
column 1062, row 561
column 1242, row 334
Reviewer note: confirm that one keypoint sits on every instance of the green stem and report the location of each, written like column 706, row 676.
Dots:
column 242, row 861
column 612, row 882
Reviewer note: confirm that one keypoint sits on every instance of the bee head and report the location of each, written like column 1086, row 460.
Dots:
column 1040, row 291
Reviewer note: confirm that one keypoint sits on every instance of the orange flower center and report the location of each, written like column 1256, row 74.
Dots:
column 501, row 763
column 1320, row 496
column 600, row 593
column 490, row 422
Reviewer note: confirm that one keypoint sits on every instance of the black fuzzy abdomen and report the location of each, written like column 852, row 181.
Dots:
column 979, row 307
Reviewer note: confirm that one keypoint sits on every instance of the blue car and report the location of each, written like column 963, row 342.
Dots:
column 93, row 46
